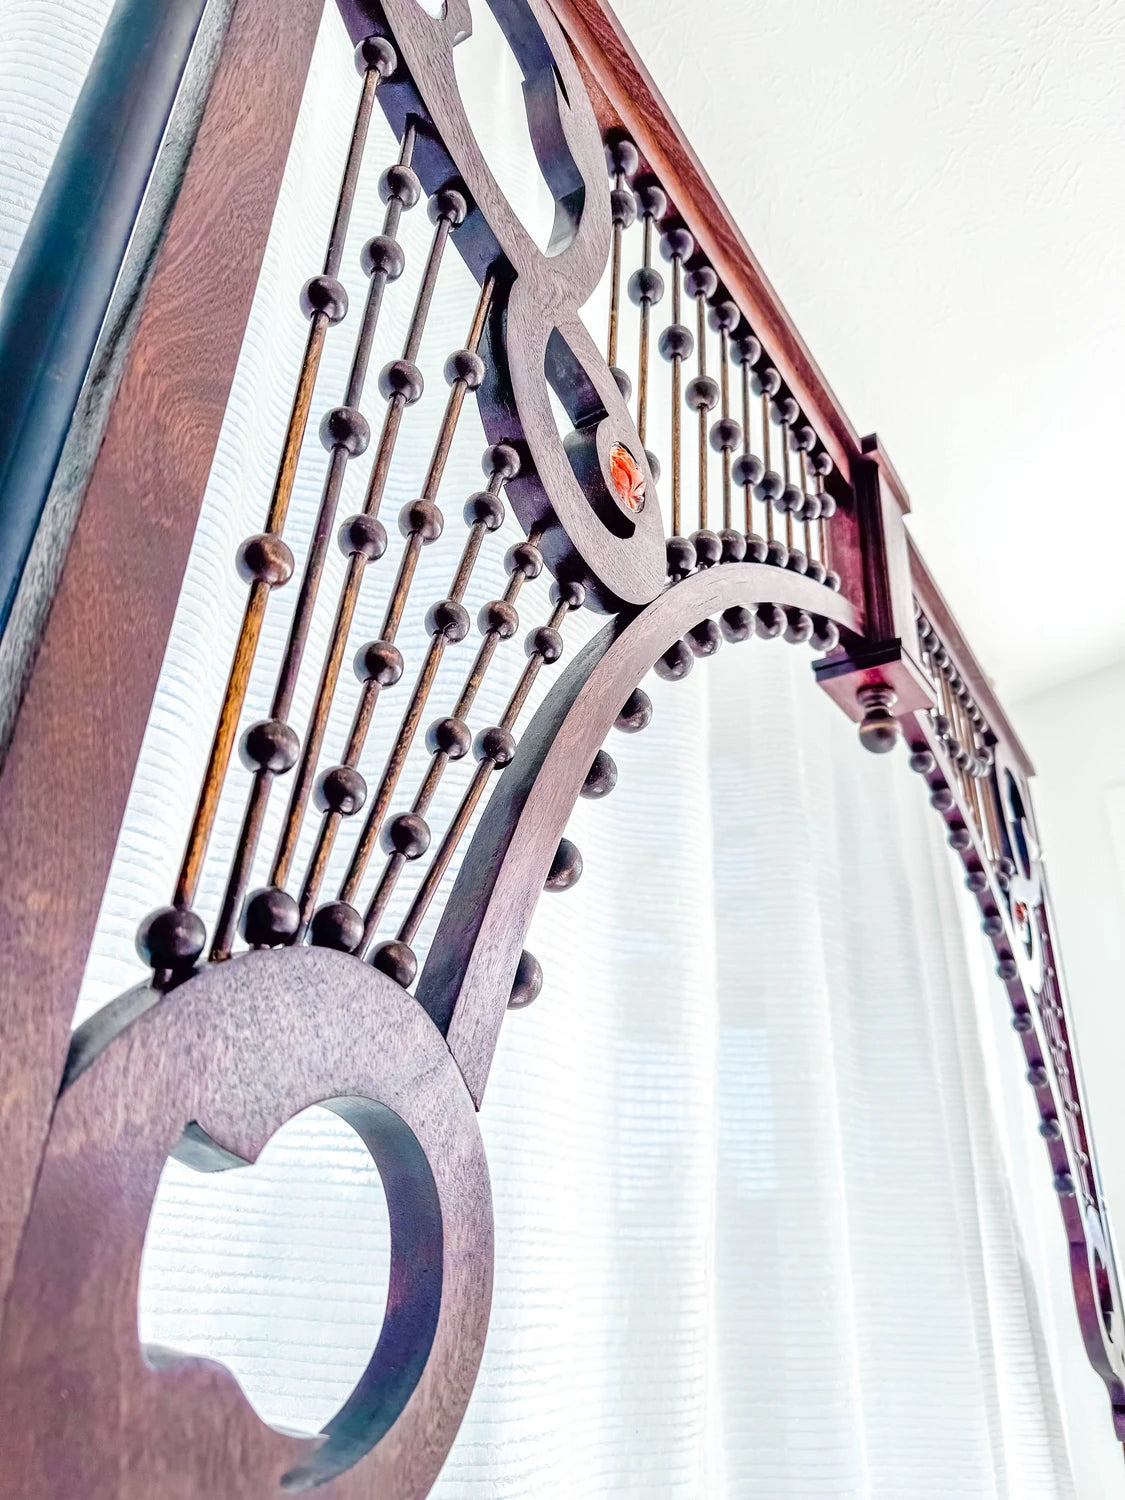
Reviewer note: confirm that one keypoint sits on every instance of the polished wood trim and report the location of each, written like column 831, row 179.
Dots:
column 612, row 66
column 74, row 749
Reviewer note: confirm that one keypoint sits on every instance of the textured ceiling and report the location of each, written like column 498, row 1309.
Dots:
column 937, row 191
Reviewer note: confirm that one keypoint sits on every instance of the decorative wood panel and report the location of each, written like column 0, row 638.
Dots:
column 782, row 523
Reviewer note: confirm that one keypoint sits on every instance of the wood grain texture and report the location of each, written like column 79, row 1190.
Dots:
column 234, row 1053
column 67, row 775
column 467, row 978
column 612, row 63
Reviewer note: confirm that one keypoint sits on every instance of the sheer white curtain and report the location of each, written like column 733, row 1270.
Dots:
column 755, row 1234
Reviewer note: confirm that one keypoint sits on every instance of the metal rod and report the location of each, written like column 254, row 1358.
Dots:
column 614, row 282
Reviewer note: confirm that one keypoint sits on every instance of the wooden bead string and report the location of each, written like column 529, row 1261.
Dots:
column 494, row 747
column 325, row 302
column 347, row 434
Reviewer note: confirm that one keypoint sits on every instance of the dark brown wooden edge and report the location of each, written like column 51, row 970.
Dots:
column 88, row 700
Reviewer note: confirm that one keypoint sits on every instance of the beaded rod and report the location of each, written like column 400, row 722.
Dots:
column 677, row 397
column 643, row 336
column 366, row 543
column 325, row 303
column 450, row 739
column 615, row 279
column 766, row 458
column 701, row 369
column 724, row 411
column 345, row 432
column 748, row 486
column 495, row 748
column 448, row 621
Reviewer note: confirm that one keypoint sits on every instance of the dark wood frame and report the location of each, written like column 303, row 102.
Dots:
column 90, row 693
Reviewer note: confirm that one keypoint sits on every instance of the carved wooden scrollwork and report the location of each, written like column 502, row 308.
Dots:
column 209, row 1059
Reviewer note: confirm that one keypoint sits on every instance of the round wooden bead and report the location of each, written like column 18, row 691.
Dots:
column 407, row 834
column 701, row 282
column 341, row 789
column 601, row 778
column 726, row 434
column 524, row 558
column 747, row 468
column 825, row 635
column 765, row 382
column 777, row 553
column 345, row 427
column 383, row 255
column 172, row 937
column 448, row 205
column 737, row 623
column 421, row 518
column 977, row 882
column 1050, row 1129
column 1064, row 1184
column 769, row 621
column 993, row 926
column 791, row 499
column 942, row 798
column 787, row 411
column 270, row 918
column 815, row 570
column 265, row 558
column 401, row 183
column 1007, row 969
column 1037, row 1077
column 622, row 382
column 466, row 366
column 770, row 487
column 620, row 155
column 500, row 460
column 799, row 627
column 822, row 464
column 676, row 342
column 646, row 286
column 677, row 243
column 403, row 379
column 705, row 638
column 337, row 925
column 809, row 508
column 528, row 982
column 566, row 867
column 796, row 562
column 495, row 744
column 546, row 642
column 324, row 294
column 449, row 736
column 376, row 54
column 708, row 548
column 636, row 714
column 397, row 961
column 827, row 504
column 960, row 839
column 733, row 544
column 676, row 662
column 756, row 549
column 270, row 745
column 804, row 438
column 379, row 662
column 680, row 555
column 922, row 761
column 654, row 465
column 725, row 316
column 941, row 725
column 702, row 393
column 652, row 201
column 746, row 350
column 569, row 592
column 622, row 207
column 448, row 618
column 484, row 509
column 1021, row 1020
column 832, row 580
column 498, row 617
column 362, row 536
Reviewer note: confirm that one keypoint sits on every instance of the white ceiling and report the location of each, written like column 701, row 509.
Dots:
column 937, row 191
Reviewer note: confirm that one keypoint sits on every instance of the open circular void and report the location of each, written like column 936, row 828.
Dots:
column 278, row 1270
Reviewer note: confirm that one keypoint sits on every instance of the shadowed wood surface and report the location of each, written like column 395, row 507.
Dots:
column 90, row 694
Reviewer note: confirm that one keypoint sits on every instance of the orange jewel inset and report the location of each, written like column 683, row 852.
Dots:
column 628, row 478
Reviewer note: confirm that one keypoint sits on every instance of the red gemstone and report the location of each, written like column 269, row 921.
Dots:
column 628, row 478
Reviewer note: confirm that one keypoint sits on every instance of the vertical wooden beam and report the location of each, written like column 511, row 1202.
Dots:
column 64, row 784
